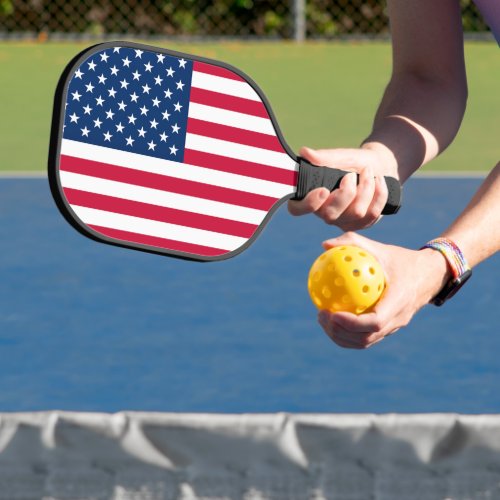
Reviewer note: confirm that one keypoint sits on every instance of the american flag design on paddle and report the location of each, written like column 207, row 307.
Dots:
column 170, row 153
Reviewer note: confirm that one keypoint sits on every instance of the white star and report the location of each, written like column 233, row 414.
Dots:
column 76, row 96
column 154, row 123
column 175, row 128
column 92, row 65
column 177, row 106
column 136, row 75
column 144, row 111
column 166, row 115
column 104, row 57
column 156, row 102
column 142, row 132
column 148, row 67
column 85, row 131
column 122, row 106
column 89, row 87
column 160, row 58
column 114, row 70
column 163, row 137
column 146, row 89
column 130, row 141
column 180, row 85
column 170, row 71
column 97, row 123
column 74, row 118
column 158, row 80
column 78, row 73
column 99, row 100
column 138, row 53
column 126, row 62
column 151, row 145
column 168, row 94
column 107, row 136
column 87, row 109
column 102, row 79
column 132, row 119
column 182, row 63
column 112, row 92
column 124, row 84
column 119, row 127
column 116, row 50
column 173, row 150
column 134, row 97
column 110, row 114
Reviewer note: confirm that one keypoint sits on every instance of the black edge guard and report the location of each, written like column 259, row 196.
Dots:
column 312, row 177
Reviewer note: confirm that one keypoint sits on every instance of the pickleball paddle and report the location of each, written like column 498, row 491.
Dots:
column 171, row 153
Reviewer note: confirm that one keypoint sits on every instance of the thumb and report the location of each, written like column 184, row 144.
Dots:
column 339, row 157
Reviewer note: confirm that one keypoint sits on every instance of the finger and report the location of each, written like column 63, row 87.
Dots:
column 348, row 238
column 380, row 195
column 311, row 203
column 338, row 201
column 338, row 334
column 358, row 209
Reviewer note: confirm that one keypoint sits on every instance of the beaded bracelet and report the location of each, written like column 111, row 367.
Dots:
column 459, row 267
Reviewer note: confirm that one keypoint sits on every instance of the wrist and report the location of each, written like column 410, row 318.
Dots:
column 437, row 272
column 385, row 155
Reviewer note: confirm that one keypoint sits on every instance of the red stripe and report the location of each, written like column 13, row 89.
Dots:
column 231, row 103
column 212, row 69
column 165, row 183
column 157, row 213
column 154, row 241
column 233, row 134
column 241, row 167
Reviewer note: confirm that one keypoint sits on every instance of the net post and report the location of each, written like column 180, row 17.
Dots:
column 299, row 20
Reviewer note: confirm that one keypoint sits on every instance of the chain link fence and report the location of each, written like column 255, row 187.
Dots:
column 284, row 19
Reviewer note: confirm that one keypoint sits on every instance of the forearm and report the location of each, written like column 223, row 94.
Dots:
column 477, row 230
column 416, row 120
column 424, row 103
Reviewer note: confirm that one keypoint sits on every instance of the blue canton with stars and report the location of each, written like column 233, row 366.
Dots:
column 131, row 100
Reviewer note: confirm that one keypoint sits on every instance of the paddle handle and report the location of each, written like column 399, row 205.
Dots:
column 312, row 177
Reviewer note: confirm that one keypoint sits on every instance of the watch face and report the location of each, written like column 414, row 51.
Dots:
column 451, row 288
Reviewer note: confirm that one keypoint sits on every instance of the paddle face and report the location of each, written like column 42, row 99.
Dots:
column 165, row 152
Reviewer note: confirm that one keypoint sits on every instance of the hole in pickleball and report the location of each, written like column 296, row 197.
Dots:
column 327, row 293
column 346, row 299
column 356, row 273
column 379, row 287
column 317, row 276
column 372, row 270
column 360, row 309
column 366, row 289
column 348, row 258
column 339, row 281
column 362, row 254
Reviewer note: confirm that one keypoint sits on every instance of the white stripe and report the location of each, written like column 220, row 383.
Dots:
column 91, row 216
column 161, row 198
column 178, row 170
column 224, row 86
column 239, row 151
column 231, row 118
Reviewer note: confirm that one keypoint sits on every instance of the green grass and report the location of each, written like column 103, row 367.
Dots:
column 323, row 94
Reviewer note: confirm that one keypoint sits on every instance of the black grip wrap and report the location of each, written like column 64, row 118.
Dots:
column 312, row 177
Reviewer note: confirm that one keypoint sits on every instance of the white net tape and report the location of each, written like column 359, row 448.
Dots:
column 161, row 456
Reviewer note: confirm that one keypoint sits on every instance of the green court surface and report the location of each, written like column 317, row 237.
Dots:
column 323, row 94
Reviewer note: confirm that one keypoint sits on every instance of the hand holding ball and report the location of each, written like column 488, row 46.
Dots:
column 346, row 278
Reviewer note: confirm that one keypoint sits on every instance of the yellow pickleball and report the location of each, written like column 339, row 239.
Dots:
column 346, row 278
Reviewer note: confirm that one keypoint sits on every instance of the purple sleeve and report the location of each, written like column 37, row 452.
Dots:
column 490, row 9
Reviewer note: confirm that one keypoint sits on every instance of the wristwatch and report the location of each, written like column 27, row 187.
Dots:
column 460, row 270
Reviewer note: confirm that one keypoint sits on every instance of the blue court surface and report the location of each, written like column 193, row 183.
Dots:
column 91, row 327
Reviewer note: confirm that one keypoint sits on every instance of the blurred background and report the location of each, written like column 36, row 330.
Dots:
column 282, row 19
